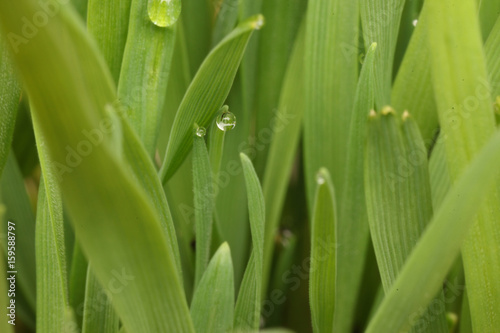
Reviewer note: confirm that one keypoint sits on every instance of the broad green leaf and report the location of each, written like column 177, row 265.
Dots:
column 330, row 75
column 107, row 22
column 98, row 315
column 124, row 226
column 467, row 122
column 352, row 226
column 287, row 128
column 380, row 20
column 207, row 92
column 323, row 262
column 10, row 94
column 203, row 204
column 227, row 17
column 144, row 73
column 212, row 307
column 248, row 304
column 424, row 272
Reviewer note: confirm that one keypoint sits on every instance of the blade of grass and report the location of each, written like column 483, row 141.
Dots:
column 212, row 308
column 207, row 92
column 216, row 142
column 77, row 282
column 110, row 34
column 225, row 21
column 323, row 262
column 491, row 51
column 248, row 304
column 85, row 88
column 489, row 11
column 423, row 273
column 203, row 205
column 196, row 17
column 440, row 176
column 352, row 227
column 10, row 94
column 144, row 73
column 467, row 122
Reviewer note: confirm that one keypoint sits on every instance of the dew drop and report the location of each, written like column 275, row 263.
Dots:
column 320, row 178
column 259, row 22
column 226, row 121
column 201, row 132
column 164, row 13
column 415, row 22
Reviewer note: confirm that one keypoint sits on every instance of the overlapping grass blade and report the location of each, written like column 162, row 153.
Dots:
column 227, row 17
column 104, row 224
column 216, row 142
column 353, row 224
column 467, row 122
column 439, row 174
column 144, row 73
column 207, row 92
column 203, row 205
column 197, row 19
column 489, row 11
column 77, row 282
column 10, row 94
column 98, row 315
column 323, row 261
column 110, row 34
column 286, row 129
column 248, row 304
column 423, row 273
column 491, row 51
column 212, row 307
column 381, row 20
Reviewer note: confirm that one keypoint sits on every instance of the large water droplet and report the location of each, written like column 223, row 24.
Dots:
column 415, row 22
column 164, row 13
column 259, row 22
column 226, row 121
column 201, row 132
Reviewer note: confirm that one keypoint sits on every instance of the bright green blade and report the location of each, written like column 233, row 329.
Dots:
column 323, row 257
column 107, row 22
column 98, row 315
column 287, row 128
column 10, row 94
column 247, row 313
column 203, row 203
column 207, row 92
column 380, row 20
column 424, row 272
column 125, row 226
column 212, row 307
column 353, row 224
column 467, row 122
column 330, row 83
column 144, row 73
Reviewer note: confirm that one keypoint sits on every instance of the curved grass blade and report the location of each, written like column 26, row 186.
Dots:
column 10, row 94
column 207, row 92
column 286, row 129
column 248, row 304
column 212, row 308
column 467, row 122
column 424, row 272
column 203, row 205
column 323, row 259
column 98, row 315
column 125, row 218
column 144, row 73
column 110, row 34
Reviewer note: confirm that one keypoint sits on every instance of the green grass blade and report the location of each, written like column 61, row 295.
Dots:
column 467, row 122
column 203, row 205
column 212, row 307
column 98, row 315
column 381, row 20
column 144, row 73
column 489, row 11
column 197, row 20
column 77, row 282
column 439, row 174
column 424, row 272
column 207, row 92
column 216, row 142
column 323, row 259
column 86, row 88
column 328, row 69
column 10, row 94
column 225, row 21
column 353, row 224
column 491, row 51
column 247, row 313
column 19, row 211
column 110, row 34
column 286, row 129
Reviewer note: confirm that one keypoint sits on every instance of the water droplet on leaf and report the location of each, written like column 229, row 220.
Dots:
column 320, row 179
column 259, row 22
column 201, row 132
column 415, row 22
column 226, row 121
column 164, row 13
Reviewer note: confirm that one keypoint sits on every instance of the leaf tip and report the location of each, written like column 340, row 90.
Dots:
column 387, row 110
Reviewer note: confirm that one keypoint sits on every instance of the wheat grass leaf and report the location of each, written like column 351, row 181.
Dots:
column 212, row 308
column 226, row 19
column 323, row 256
column 207, row 92
column 423, row 274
